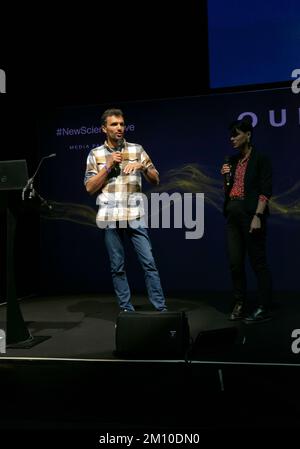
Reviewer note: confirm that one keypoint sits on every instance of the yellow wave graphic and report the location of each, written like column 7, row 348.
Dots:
column 190, row 178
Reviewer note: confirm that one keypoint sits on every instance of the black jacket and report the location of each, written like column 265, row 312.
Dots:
column 257, row 181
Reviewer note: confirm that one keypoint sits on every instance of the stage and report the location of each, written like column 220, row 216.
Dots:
column 82, row 327
column 74, row 380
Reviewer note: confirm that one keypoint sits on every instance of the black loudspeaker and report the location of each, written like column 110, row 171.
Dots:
column 152, row 334
column 214, row 340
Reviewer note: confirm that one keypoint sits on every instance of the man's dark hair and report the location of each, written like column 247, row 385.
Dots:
column 109, row 113
column 244, row 125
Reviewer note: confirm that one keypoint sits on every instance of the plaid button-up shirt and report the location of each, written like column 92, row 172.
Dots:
column 120, row 197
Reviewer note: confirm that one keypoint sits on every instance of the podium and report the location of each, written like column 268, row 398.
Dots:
column 13, row 178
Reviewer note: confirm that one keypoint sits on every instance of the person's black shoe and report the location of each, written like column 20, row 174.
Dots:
column 237, row 313
column 260, row 315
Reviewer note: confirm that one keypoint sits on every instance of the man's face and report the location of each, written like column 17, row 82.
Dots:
column 114, row 128
column 239, row 139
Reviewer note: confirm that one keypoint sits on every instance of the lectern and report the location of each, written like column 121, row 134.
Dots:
column 13, row 178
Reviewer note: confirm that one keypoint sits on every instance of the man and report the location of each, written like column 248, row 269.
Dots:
column 114, row 172
column 248, row 188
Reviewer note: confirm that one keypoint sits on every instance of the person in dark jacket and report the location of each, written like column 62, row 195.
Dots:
column 248, row 188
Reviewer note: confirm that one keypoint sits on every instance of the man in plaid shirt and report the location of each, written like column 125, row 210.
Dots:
column 114, row 172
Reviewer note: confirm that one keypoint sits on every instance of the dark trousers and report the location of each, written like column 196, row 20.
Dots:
column 240, row 243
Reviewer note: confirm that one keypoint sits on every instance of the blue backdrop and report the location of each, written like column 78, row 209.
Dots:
column 187, row 139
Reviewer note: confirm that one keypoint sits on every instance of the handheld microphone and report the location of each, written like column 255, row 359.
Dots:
column 227, row 176
column 119, row 146
column 120, row 143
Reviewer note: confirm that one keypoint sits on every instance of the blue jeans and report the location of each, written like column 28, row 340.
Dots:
column 114, row 238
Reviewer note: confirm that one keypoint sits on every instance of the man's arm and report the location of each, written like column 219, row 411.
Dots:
column 94, row 183
column 152, row 176
column 148, row 168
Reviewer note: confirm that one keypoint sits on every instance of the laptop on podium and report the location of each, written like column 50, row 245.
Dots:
column 13, row 174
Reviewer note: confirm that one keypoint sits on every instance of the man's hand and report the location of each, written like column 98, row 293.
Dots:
column 114, row 158
column 131, row 168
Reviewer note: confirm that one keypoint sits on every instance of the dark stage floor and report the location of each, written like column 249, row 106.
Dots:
column 74, row 381
column 83, row 327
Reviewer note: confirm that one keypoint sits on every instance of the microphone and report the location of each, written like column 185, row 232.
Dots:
column 120, row 143
column 38, row 167
column 227, row 176
column 29, row 185
column 119, row 146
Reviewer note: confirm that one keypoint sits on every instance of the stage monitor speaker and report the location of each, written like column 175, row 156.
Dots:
column 152, row 334
column 214, row 340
